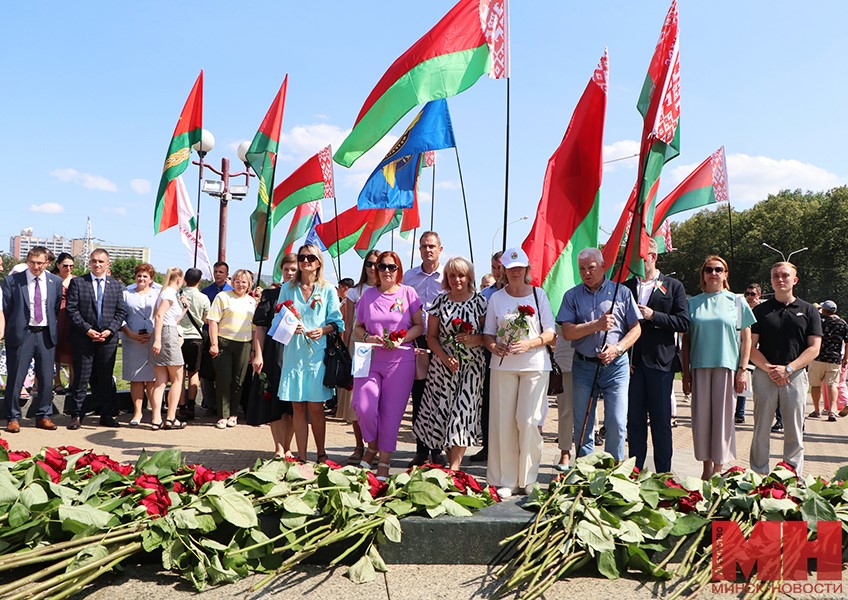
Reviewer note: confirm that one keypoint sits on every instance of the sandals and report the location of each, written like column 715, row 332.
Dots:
column 174, row 424
column 385, row 466
column 366, row 464
column 156, row 426
column 354, row 458
column 322, row 458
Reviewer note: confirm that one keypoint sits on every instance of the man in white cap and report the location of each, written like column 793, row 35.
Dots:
column 825, row 368
column 602, row 325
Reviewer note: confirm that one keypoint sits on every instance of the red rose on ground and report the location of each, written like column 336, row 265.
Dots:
column 733, row 470
column 664, row 504
column 375, row 486
column 55, row 459
column 19, row 455
column 786, row 465
column 493, row 492
column 68, row 450
column 4, row 444
column 55, row 475
column 689, row 503
column 180, row 488
column 673, row 484
column 157, row 503
column 332, row 464
column 463, row 481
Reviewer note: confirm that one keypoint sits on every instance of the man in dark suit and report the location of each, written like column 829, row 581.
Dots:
column 31, row 301
column 96, row 310
column 662, row 302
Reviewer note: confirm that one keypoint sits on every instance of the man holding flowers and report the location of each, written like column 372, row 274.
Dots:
column 602, row 324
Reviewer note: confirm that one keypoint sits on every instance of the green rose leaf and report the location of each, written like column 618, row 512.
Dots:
column 162, row 463
column 781, row 505
column 426, row 494
column 400, row 507
column 455, row 509
column 81, row 517
column 232, row 505
column 8, row 490
column 362, row 571
column 598, row 484
column 593, row 538
column 152, row 539
column 376, row 559
column 689, row 523
column 472, row 502
column 815, row 509
column 841, row 474
column 625, row 488
column 332, row 477
column 88, row 555
column 34, row 495
column 185, row 518
column 19, row 515
column 639, row 560
column 607, row 566
column 296, row 505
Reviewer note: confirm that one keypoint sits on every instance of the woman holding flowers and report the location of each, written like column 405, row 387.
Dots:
column 451, row 406
column 230, row 331
column 389, row 318
column 519, row 323
column 316, row 303
column 714, row 355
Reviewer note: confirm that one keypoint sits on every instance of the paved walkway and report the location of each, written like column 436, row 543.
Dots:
column 240, row 447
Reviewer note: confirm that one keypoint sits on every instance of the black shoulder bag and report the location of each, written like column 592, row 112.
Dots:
column 338, row 363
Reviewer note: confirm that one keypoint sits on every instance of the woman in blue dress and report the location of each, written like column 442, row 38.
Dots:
column 302, row 378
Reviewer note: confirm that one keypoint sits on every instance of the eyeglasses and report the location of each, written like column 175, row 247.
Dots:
column 306, row 258
column 709, row 270
column 391, row 268
column 370, row 264
column 71, row 266
column 751, row 294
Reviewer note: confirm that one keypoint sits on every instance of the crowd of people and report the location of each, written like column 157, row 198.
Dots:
column 475, row 363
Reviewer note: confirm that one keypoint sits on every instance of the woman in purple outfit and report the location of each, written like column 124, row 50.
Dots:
column 380, row 398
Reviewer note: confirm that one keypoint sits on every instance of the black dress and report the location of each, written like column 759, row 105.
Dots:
column 263, row 405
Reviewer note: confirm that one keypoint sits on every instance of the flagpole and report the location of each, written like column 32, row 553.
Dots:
column 730, row 227
column 392, row 241
column 412, row 254
column 264, row 243
column 197, row 220
column 506, row 173
column 465, row 204
column 432, row 200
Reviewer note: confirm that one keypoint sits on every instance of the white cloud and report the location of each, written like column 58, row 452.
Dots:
column 448, row 185
column 622, row 149
column 116, row 210
column 140, row 186
column 92, row 182
column 48, row 208
column 753, row 178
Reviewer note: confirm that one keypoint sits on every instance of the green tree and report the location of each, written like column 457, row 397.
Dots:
column 123, row 269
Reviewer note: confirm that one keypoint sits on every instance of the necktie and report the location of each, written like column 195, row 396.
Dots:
column 39, row 314
column 99, row 300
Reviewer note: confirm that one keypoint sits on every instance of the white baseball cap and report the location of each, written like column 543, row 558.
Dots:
column 514, row 257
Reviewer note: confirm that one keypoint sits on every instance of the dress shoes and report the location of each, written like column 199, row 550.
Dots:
column 45, row 423
column 109, row 422
column 481, row 456
column 13, row 427
column 74, row 424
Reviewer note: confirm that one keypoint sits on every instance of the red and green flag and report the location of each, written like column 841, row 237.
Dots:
column 384, row 220
column 706, row 185
column 313, row 180
column 341, row 233
column 262, row 157
column 567, row 217
column 471, row 39
column 304, row 216
column 659, row 105
column 188, row 131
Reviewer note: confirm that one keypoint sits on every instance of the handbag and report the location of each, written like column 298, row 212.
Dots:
column 555, row 376
column 337, row 363
column 207, row 368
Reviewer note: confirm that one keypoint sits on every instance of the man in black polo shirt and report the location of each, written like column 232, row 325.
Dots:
column 785, row 339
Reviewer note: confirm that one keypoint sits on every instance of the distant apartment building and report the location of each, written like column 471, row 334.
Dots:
column 19, row 245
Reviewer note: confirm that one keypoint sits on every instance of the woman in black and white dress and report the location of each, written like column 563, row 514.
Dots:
column 450, row 410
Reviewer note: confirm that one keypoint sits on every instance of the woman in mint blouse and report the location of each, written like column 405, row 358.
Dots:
column 302, row 378
column 715, row 354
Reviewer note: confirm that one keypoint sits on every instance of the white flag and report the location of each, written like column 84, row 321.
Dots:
column 283, row 326
column 361, row 359
column 188, row 230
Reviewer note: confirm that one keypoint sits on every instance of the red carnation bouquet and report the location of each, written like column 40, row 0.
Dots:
column 516, row 327
column 393, row 339
column 457, row 326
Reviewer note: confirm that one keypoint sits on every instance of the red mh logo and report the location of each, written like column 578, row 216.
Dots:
column 779, row 549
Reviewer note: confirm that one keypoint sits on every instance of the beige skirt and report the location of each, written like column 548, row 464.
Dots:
column 171, row 354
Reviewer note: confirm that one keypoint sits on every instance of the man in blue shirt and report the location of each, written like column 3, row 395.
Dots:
column 602, row 325
column 220, row 283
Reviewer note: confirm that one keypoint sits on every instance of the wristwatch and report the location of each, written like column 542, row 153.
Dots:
column 620, row 349
column 789, row 369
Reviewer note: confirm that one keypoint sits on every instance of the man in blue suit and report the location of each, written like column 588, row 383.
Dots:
column 31, row 301
column 662, row 303
column 96, row 310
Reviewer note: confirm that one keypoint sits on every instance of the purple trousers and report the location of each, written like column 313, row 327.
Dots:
column 381, row 398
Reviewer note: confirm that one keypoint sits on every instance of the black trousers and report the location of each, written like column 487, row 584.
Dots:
column 37, row 345
column 94, row 365
column 650, row 395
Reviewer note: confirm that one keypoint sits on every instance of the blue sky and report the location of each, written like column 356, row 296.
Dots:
column 93, row 91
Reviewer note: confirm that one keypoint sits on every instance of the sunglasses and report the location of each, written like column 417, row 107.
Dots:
column 709, row 270
column 370, row 264
column 750, row 294
column 67, row 266
column 306, row 258
column 387, row 267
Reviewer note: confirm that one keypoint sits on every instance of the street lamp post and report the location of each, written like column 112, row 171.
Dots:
column 782, row 255
column 524, row 218
column 221, row 188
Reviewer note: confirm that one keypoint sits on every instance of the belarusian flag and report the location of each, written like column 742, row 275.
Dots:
column 313, row 180
column 301, row 224
column 706, row 185
column 472, row 39
column 567, row 217
column 341, row 234
column 262, row 157
column 188, row 131
column 383, row 221
column 189, row 233
column 663, row 238
column 659, row 104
